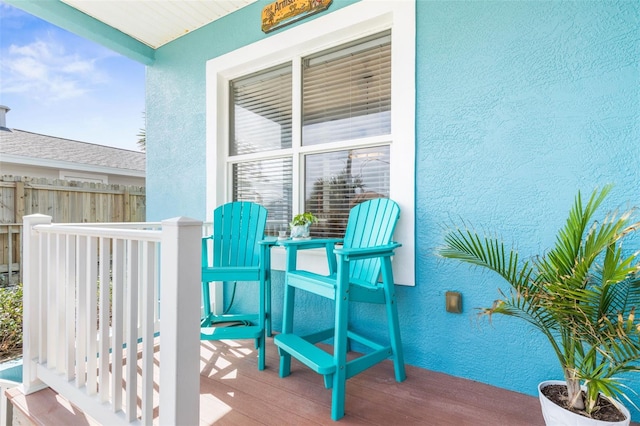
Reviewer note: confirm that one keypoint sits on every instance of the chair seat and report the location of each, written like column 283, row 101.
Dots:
column 218, row 333
column 231, row 273
column 306, row 352
column 319, row 284
column 325, row 285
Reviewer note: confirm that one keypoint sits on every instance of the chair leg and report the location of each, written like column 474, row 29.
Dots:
column 340, row 342
column 262, row 314
column 206, row 301
column 261, row 353
column 394, row 324
column 265, row 253
column 287, row 327
column 268, row 308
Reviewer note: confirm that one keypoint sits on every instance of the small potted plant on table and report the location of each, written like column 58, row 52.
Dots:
column 300, row 225
column 582, row 296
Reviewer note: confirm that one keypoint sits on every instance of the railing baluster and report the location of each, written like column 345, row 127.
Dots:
column 104, row 311
column 61, row 300
column 131, row 323
column 70, row 303
column 83, row 314
column 51, row 291
column 92, row 315
column 148, row 302
column 43, row 298
column 117, row 322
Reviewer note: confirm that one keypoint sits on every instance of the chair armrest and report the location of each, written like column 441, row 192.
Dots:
column 205, row 250
column 269, row 241
column 309, row 244
column 368, row 252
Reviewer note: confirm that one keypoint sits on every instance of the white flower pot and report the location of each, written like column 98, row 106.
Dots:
column 300, row 231
column 554, row 415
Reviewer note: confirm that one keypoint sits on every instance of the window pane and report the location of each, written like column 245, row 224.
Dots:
column 261, row 112
column 267, row 182
column 347, row 92
column 337, row 181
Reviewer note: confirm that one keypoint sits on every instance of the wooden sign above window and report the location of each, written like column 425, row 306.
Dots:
column 284, row 12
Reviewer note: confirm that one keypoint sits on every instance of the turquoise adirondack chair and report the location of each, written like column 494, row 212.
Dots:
column 355, row 269
column 239, row 254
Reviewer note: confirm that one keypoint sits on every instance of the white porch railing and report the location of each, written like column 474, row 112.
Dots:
column 95, row 298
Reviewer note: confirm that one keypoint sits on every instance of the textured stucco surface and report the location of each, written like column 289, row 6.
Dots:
column 519, row 106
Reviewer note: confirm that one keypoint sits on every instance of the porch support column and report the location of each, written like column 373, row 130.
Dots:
column 33, row 288
column 180, row 321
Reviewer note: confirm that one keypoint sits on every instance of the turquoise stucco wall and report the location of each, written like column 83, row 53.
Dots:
column 519, row 106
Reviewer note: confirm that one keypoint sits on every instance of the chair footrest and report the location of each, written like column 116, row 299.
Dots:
column 233, row 332
column 306, row 352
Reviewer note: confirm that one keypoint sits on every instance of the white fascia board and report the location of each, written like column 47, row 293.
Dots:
column 68, row 165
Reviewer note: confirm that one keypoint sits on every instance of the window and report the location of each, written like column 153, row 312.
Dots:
column 345, row 97
column 319, row 118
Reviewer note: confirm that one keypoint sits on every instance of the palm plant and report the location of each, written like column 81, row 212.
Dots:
column 582, row 295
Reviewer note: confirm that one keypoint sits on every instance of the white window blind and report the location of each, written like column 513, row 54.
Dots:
column 267, row 182
column 337, row 181
column 347, row 91
column 261, row 106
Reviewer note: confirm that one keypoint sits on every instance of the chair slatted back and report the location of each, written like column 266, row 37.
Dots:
column 237, row 228
column 371, row 223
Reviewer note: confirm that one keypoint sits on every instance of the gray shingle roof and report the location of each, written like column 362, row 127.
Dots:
column 34, row 145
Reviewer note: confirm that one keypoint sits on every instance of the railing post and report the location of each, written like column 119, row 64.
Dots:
column 180, row 322
column 32, row 289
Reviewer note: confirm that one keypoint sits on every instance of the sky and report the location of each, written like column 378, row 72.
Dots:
column 59, row 84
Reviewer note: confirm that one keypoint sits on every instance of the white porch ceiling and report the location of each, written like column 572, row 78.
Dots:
column 157, row 22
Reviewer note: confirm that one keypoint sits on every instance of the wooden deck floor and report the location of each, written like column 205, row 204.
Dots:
column 234, row 392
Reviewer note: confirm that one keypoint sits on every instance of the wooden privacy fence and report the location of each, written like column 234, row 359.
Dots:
column 66, row 202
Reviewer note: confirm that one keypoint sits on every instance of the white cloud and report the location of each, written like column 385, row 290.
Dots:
column 45, row 71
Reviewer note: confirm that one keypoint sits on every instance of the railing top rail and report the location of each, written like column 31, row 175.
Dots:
column 94, row 231
column 122, row 225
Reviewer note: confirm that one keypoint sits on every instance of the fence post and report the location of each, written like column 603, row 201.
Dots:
column 19, row 201
column 32, row 289
column 126, row 205
column 180, row 321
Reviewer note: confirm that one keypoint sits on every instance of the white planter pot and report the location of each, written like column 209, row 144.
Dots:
column 554, row 415
column 300, row 231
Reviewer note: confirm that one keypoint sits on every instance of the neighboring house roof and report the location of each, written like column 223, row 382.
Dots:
column 19, row 146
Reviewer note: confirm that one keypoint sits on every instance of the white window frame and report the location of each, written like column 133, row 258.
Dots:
column 351, row 23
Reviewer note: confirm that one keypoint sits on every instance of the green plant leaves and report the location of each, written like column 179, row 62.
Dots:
column 582, row 294
column 10, row 319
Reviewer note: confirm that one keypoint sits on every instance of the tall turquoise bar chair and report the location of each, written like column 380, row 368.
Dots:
column 239, row 254
column 360, row 270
